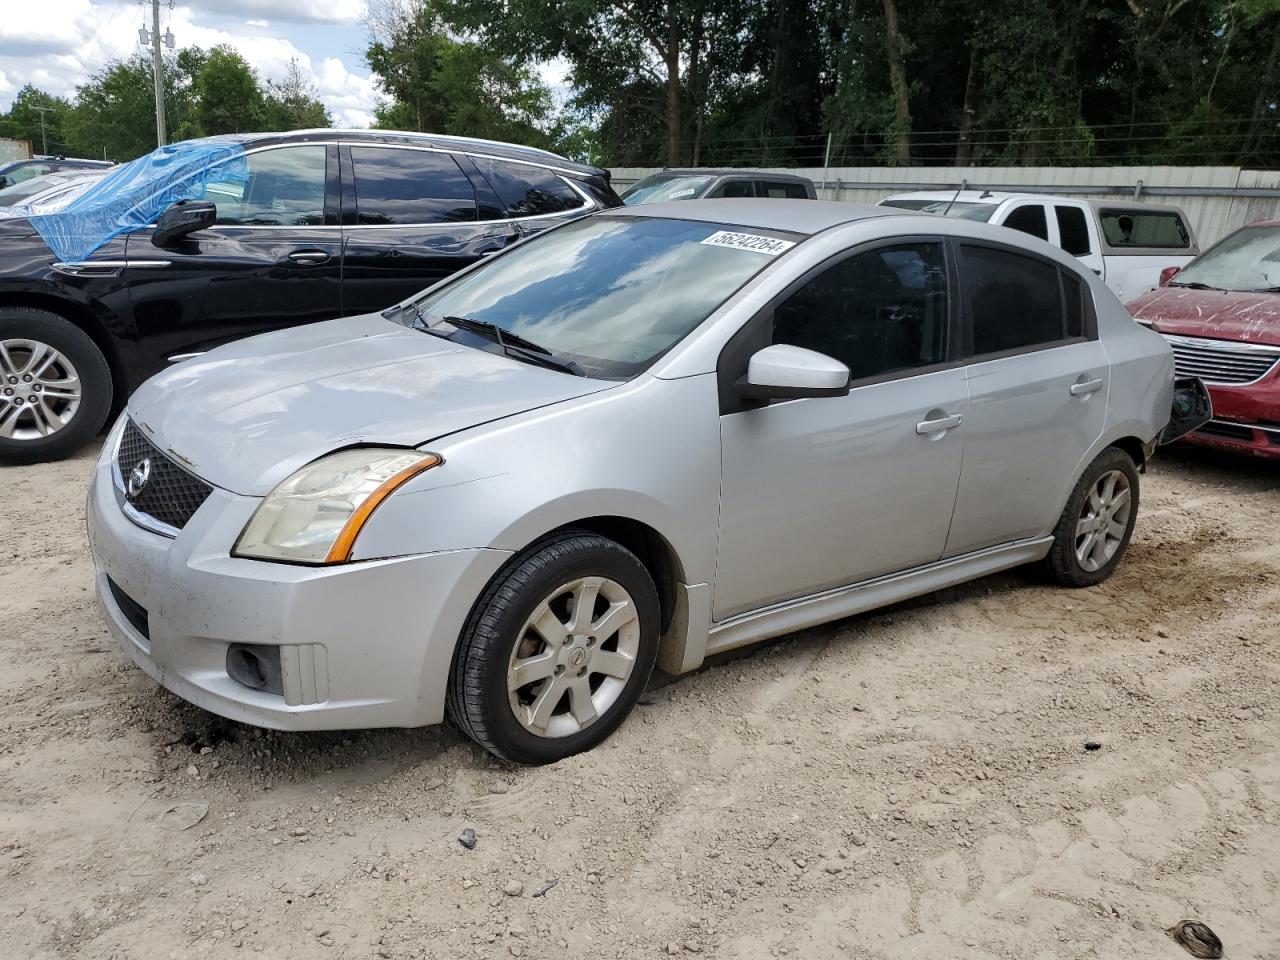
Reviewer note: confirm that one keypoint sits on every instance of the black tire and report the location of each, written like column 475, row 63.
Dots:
column 1062, row 564
column 478, row 698
column 29, row 323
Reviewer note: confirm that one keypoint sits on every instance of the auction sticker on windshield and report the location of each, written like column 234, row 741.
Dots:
column 749, row 241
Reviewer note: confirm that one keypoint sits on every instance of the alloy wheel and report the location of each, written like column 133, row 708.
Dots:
column 39, row 390
column 573, row 657
column 1103, row 520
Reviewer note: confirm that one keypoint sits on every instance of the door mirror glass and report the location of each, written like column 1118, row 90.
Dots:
column 183, row 218
column 786, row 372
column 1167, row 274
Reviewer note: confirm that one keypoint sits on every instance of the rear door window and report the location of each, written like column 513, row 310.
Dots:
column 1139, row 228
column 1029, row 218
column 1015, row 301
column 1073, row 231
column 398, row 186
column 529, row 191
column 782, row 189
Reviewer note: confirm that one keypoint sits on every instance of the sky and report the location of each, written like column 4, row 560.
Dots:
column 58, row 44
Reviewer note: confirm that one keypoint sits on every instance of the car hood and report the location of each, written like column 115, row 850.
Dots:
column 245, row 416
column 1221, row 314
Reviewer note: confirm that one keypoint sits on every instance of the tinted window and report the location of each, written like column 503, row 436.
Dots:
column 1138, row 228
column 783, row 190
column 529, row 191
column 1073, row 231
column 1014, row 301
column 733, row 188
column 878, row 311
column 1073, row 299
column 410, row 186
column 1029, row 219
column 283, row 187
column 27, row 171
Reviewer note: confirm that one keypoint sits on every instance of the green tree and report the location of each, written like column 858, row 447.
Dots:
column 39, row 117
column 114, row 113
column 291, row 104
column 228, row 98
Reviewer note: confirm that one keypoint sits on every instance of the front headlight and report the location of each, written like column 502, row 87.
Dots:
column 315, row 516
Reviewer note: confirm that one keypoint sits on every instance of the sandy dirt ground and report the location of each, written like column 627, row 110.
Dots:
column 912, row 783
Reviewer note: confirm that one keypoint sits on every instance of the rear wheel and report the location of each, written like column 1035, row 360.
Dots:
column 1094, row 530
column 55, row 386
column 557, row 650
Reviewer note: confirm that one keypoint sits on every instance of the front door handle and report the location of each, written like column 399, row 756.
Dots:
column 309, row 258
column 1085, row 387
column 926, row 427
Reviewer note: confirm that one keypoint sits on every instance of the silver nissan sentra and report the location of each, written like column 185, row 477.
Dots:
column 645, row 437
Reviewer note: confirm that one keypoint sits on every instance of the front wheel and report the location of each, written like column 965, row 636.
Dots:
column 557, row 650
column 1094, row 530
column 55, row 386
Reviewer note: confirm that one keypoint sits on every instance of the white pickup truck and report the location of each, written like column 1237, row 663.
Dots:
column 1129, row 245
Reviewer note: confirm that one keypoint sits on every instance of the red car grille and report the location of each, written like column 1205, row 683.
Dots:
column 1222, row 361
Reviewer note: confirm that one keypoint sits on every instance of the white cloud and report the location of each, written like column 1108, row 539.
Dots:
column 58, row 45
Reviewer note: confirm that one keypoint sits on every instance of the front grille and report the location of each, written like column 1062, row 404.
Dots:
column 168, row 493
column 133, row 611
column 1222, row 361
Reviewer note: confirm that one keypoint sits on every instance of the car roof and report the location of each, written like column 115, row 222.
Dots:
column 966, row 196
column 725, row 172
column 493, row 148
column 792, row 216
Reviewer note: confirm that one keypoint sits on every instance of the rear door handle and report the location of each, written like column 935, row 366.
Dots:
column 1085, row 387
column 309, row 258
column 926, row 427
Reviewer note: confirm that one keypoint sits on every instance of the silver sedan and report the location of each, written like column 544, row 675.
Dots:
column 643, row 438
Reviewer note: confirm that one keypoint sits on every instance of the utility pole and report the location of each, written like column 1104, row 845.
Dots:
column 157, row 65
column 44, row 137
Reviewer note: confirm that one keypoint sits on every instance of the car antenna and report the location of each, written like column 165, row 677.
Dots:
column 959, row 190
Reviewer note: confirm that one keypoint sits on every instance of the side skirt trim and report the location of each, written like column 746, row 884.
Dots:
column 779, row 619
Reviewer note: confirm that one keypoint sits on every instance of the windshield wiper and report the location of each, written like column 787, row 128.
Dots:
column 516, row 346
column 1194, row 285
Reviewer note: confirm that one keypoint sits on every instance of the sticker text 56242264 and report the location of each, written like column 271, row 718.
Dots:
column 753, row 242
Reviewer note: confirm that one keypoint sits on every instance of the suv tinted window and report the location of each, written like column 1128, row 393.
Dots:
column 782, row 190
column 284, row 187
column 878, row 311
column 1029, row 218
column 733, row 188
column 410, row 187
column 1014, row 301
column 1137, row 228
column 1073, row 231
column 528, row 191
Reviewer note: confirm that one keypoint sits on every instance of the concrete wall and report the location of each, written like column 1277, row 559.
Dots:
column 1216, row 199
column 14, row 150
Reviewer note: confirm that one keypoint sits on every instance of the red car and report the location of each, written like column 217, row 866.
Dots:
column 1221, row 314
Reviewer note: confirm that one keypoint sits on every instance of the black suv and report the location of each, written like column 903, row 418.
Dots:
column 16, row 171
column 310, row 226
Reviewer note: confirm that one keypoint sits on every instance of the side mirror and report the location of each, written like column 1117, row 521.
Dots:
column 1167, row 274
column 182, row 218
column 786, row 372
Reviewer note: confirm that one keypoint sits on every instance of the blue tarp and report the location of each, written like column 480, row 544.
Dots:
column 134, row 194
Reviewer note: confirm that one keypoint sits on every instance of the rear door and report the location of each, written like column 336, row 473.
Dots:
column 1077, row 233
column 411, row 217
column 1037, row 381
column 273, row 258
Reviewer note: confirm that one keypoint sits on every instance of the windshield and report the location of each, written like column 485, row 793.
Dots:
column 660, row 187
column 611, row 294
column 1249, row 259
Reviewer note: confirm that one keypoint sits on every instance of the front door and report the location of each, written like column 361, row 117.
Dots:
column 411, row 218
column 822, row 492
column 1037, row 381
column 273, row 258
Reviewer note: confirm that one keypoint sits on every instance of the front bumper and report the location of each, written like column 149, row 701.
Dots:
column 1246, row 419
column 362, row 645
